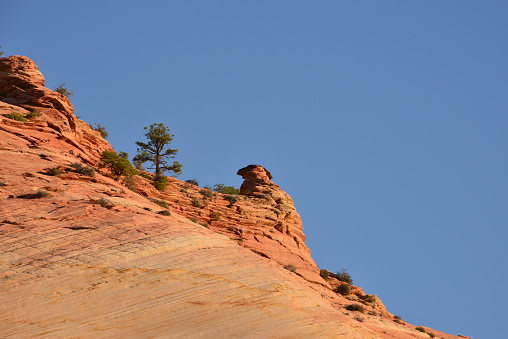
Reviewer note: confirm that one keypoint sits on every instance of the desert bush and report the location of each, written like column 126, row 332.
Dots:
column 160, row 182
column 192, row 182
column 419, row 328
column 342, row 275
column 101, row 129
column 358, row 318
column 164, row 212
column 206, row 193
column 232, row 198
column 105, row 203
column 290, row 268
column 221, row 188
column 54, row 172
column 15, row 116
column 82, row 169
column 355, row 307
column 161, row 203
column 130, row 183
column 432, row 335
column 215, row 216
column 32, row 115
column 62, row 89
column 344, row 289
column 196, row 203
column 369, row 298
column 325, row 274
column 118, row 163
column 42, row 194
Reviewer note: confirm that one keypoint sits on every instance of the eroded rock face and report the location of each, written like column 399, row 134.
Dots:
column 22, row 84
column 22, row 91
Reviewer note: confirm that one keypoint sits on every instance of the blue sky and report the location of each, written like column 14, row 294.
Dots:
column 385, row 120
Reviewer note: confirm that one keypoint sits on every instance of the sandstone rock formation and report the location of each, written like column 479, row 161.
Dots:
column 86, row 256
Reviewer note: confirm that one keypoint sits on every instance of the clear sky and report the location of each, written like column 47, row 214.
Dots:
column 386, row 121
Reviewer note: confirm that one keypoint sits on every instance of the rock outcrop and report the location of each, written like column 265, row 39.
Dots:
column 87, row 256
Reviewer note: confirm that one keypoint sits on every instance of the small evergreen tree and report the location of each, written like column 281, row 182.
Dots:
column 62, row 89
column 157, row 150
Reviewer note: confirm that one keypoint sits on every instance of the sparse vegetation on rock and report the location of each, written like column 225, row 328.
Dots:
column 344, row 289
column 343, row 275
column 54, row 172
column 41, row 194
column 355, row 308
column 105, row 203
column 325, row 274
column 192, row 182
column 118, row 163
column 62, row 89
column 290, row 268
column 221, row 188
column 82, row 169
column 101, row 129
column 32, row 115
column 15, row 116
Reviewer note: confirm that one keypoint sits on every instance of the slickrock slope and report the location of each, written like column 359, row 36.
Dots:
column 86, row 257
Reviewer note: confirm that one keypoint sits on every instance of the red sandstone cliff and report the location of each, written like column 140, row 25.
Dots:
column 72, row 265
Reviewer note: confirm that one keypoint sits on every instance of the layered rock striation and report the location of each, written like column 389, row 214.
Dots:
column 83, row 255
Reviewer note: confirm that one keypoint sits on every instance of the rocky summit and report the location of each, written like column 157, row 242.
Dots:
column 86, row 254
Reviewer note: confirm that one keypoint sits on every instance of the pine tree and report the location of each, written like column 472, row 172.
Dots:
column 157, row 150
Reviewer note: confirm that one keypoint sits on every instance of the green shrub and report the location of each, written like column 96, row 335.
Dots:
column 82, row 169
column 32, row 115
column 160, row 182
column 221, row 188
column 62, row 89
column 164, row 212
column 290, row 268
column 15, row 116
column 325, row 274
column 54, row 172
column 355, row 307
column 419, row 328
column 344, row 289
column 118, row 163
column 342, row 275
column 432, row 335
